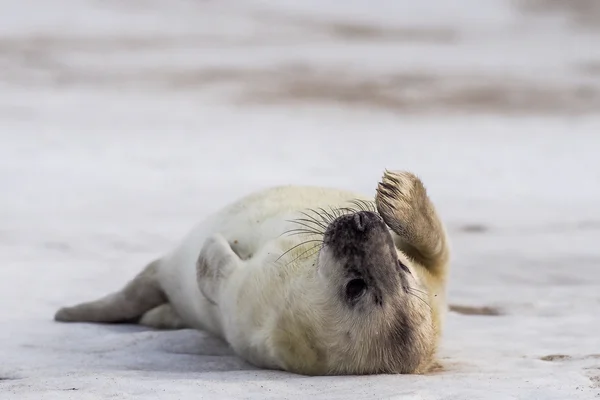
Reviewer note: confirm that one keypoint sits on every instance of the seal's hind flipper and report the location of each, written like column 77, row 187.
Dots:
column 142, row 294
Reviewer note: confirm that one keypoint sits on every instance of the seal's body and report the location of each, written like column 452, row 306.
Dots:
column 305, row 279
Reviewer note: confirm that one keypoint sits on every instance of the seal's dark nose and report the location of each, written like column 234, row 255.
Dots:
column 353, row 227
column 360, row 221
column 363, row 219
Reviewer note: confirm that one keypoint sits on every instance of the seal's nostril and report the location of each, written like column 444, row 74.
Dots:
column 360, row 220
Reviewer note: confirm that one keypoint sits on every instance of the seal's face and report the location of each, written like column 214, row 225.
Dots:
column 366, row 262
column 378, row 302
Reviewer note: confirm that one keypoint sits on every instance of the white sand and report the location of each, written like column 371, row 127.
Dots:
column 106, row 160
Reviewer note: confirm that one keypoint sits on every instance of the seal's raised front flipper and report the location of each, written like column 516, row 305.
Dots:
column 403, row 204
column 140, row 295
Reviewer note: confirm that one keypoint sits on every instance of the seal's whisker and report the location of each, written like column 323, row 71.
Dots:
column 412, row 289
column 371, row 206
column 419, row 291
column 298, row 245
column 360, row 208
column 348, row 210
column 318, row 247
column 312, row 219
column 307, row 230
column 336, row 212
column 359, row 204
column 309, row 223
column 421, row 299
column 306, row 251
column 323, row 219
column 294, row 232
column 364, row 205
column 321, row 214
column 333, row 212
column 329, row 218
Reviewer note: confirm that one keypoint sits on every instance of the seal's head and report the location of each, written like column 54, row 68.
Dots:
column 378, row 317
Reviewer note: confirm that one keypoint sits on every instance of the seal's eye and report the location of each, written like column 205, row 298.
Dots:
column 355, row 288
column 403, row 267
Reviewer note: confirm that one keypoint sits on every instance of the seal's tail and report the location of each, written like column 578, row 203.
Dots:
column 140, row 295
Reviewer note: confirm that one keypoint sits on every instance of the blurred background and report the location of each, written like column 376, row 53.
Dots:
column 123, row 123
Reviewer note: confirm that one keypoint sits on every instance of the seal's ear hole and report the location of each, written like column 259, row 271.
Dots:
column 355, row 288
column 403, row 267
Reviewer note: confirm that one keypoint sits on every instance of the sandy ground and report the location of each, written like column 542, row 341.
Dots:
column 124, row 123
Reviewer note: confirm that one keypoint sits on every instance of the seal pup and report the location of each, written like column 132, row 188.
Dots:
column 310, row 280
